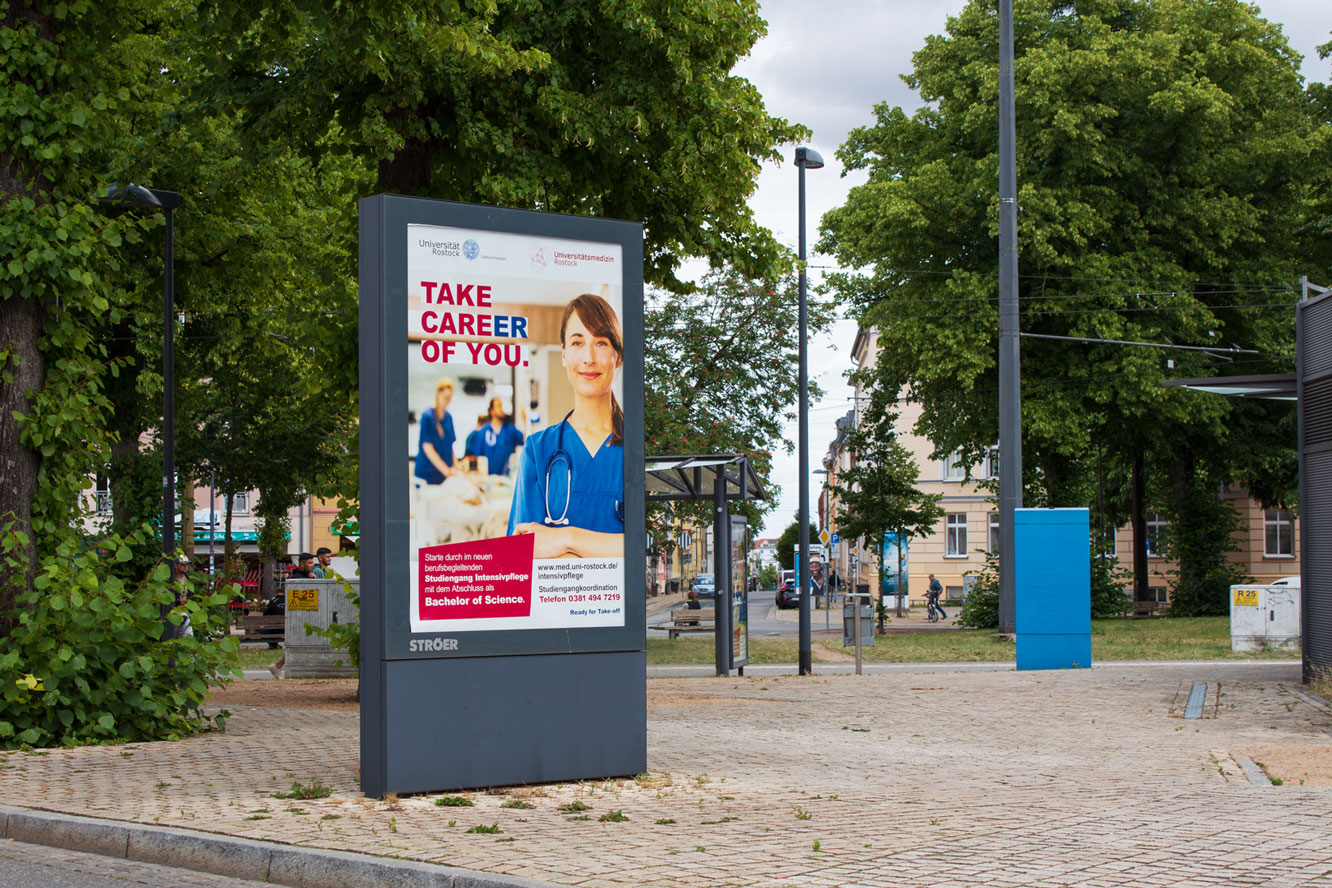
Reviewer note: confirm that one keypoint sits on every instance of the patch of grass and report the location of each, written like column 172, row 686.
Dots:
column 1162, row 638
column 259, row 658
column 579, row 817
column 665, row 821
column 257, row 817
column 517, row 803
column 482, row 828
column 314, row 790
column 616, row 816
column 574, row 807
column 454, row 802
column 331, row 817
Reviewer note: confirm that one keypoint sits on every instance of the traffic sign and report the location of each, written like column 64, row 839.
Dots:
column 837, row 538
column 823, row 536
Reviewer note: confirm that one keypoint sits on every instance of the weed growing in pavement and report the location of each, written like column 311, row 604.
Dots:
column 517, row 803
column 579, row 817
column 665, row 821
column 616, row 816
column 700, row 849
column 802, row 814
column 257, row 817
column 817, row 844
column 481, row 828
column 507, row 839
column 393, row 824
column 314, row 790
column 331, row 817
column 454, row 802
column 715, row 822
column 574, row 807
column 297, row 811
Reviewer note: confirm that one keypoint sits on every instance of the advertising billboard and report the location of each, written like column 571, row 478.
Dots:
column 516, row 427
column 501, row 514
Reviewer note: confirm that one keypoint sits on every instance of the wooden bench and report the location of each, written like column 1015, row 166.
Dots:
column 685, row 619
column 258, row 627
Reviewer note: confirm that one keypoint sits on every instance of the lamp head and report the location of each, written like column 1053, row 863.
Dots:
column 808, row 158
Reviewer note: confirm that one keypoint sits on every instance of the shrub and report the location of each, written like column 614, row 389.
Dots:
column 85, row 662
column 981, row 610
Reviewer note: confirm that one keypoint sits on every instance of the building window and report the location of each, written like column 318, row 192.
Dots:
column 952, row 467
column 1278, row 534
column 955, row 535
column 240, row 503
column 1156, row 526
column 1154, row 595
column 103, row 494
column 994, row 533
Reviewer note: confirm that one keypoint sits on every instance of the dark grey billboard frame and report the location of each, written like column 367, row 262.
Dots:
column 502, row 707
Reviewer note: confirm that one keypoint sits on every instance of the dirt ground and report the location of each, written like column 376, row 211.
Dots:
column 340, row 694
column 1294, row 764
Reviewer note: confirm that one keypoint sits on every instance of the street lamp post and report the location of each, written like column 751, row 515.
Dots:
column 805, row 158
column 151, row 199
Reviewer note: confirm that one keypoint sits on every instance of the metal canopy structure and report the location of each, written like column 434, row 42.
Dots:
column 723, row 478
column 695, row 477
column 1277, row 386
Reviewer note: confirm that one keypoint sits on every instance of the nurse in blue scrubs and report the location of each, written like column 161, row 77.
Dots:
column 434, row 452
column 498, row 439
column 570, row 492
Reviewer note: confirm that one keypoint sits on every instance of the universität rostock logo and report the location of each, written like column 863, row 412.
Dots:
column 471, row 249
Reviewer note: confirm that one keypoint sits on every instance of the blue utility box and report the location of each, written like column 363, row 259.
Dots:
column 1053, row 588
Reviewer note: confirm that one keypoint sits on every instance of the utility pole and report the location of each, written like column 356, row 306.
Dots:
column 1010, row 391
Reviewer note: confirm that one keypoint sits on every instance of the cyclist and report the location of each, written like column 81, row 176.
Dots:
column 932, row 598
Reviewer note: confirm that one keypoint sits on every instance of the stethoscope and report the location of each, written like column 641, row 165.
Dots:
column 561, row 455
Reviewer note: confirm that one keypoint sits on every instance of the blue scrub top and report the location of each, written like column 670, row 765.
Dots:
column 497, row 447
column 472, row 448
column 595, row 502
column 425, row 469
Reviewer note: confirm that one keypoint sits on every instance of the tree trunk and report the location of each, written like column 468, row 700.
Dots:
column 123, row 477
column 1138, row 520
column 407, row 171
column 1181, row 480
column 20, row 330
column 187, row 518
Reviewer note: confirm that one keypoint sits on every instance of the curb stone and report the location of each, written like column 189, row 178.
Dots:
column 291, row 865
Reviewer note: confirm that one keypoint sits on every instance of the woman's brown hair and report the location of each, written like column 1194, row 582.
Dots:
column 600, row 320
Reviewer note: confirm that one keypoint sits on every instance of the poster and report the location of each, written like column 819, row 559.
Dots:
column 515, row 431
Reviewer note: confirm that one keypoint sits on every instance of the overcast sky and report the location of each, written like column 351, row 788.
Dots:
column 826, row 65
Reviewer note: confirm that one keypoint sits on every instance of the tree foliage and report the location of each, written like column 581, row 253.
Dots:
column 1166, row 189
column 627, row 110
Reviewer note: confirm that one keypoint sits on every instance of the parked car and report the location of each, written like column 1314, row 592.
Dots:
column 788, row 590
column 705, row 586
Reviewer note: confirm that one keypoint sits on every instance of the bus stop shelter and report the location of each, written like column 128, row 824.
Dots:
column 722, row 478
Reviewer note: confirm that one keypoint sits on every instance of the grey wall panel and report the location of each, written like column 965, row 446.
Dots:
column 1314, row 386
column 499, row 721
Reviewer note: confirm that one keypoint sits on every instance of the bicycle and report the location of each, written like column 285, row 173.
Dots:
column 932, row 611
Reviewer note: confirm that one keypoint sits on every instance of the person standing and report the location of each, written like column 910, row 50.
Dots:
column 933, row 593
column 323, row 557
column 434, row 453
column 304, row 569
column 499, row 439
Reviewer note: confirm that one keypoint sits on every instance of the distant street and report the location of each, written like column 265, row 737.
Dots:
column 763, row 617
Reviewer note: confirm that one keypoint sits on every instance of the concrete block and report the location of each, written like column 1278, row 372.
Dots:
column 70, row 833
column 223, row 855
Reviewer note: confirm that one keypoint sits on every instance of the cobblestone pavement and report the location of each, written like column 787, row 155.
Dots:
column 940, row 779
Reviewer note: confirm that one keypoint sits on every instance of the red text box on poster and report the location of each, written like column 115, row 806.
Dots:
column 482, row 578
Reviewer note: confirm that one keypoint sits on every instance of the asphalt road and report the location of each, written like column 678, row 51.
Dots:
column 762, row 617
column 38, row 866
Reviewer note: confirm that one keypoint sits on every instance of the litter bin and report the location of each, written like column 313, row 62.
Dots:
column 857, row 603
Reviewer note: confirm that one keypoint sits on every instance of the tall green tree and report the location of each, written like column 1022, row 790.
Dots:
column 627, row 110
column 879, row 494
column 722, row 377
column 1165, row 188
